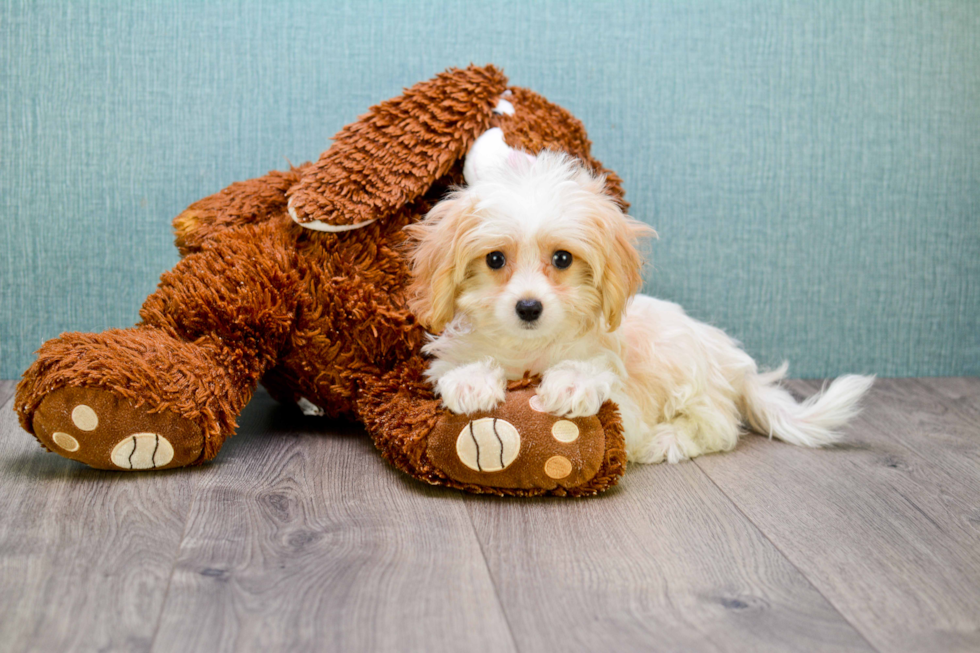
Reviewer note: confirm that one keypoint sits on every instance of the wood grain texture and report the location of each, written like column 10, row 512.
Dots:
column 6, row 391
column 306, row 540
column 85, row 555
column 663, row 563
column 298, row 537
column 885, row 526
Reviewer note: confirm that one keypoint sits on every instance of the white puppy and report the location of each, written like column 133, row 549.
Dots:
column 532, row 267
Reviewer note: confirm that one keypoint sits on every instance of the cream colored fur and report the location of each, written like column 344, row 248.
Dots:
column 684, row 388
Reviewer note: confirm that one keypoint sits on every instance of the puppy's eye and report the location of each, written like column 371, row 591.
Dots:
column 561, row 259
column 496, row 260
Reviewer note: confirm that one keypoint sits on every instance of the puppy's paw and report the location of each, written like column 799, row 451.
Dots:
column 472, row 388
column 575, row 389
column 672, row 442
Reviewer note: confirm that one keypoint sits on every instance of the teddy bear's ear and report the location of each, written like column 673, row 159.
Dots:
column 394, row 153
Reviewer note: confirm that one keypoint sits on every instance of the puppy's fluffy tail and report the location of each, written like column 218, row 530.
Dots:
column 770, row 409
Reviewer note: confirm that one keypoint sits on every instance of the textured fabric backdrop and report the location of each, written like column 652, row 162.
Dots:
column 813, row 168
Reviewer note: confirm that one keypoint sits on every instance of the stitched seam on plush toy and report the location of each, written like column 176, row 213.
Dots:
column 502, row 465
column 473, row 437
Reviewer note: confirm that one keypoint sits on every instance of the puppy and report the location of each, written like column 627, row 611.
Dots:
column 532, row 267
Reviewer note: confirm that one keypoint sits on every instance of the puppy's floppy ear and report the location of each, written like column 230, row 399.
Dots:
column 620, row 278
column 395, row 152
column 437, row 259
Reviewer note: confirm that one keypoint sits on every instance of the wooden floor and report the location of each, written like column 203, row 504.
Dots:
column 299, row 537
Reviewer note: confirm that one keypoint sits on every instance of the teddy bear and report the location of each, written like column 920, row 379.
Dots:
column 297, row 280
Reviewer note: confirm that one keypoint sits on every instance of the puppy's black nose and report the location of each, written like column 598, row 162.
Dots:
column 529, row 309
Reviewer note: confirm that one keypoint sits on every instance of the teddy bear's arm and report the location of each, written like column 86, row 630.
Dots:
column 524, row 452
column 241, row 203
column 395, row 152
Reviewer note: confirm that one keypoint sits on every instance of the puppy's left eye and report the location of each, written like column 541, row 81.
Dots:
column 561, row 259
column 496, row 260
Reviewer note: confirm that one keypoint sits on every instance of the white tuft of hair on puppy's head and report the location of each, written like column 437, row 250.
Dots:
column 532, row 250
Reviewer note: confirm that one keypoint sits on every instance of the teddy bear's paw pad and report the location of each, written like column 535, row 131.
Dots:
column 97, row 427
column 518, row 446
column 488, row 444
column 142, row 451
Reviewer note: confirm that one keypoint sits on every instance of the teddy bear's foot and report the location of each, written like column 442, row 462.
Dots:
column 519, row 449
column 100, row 429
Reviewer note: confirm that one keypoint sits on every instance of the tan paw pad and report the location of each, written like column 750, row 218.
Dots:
column 564, row 431
column 142, row 451
column 84, row 418
column 558, row 467
column 65, row 441
column 488, row 444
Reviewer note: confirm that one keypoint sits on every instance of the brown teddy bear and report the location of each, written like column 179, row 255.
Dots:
column 298, row 279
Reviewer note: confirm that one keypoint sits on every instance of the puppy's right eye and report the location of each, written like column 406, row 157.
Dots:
column 496, row 260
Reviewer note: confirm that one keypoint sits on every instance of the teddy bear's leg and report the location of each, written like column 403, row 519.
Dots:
column 515, row 449
column 130, row 399
column 167, row 392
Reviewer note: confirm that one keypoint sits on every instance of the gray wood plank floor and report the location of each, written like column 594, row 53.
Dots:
column 299, row 537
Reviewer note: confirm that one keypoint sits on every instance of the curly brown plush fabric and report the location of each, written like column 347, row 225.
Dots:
column 319, row 318
column 244, row 202
column 395, row 152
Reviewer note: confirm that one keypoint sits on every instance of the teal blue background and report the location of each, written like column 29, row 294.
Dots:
column 813, row 168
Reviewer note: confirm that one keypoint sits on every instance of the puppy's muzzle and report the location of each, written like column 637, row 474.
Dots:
column 529, row 310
